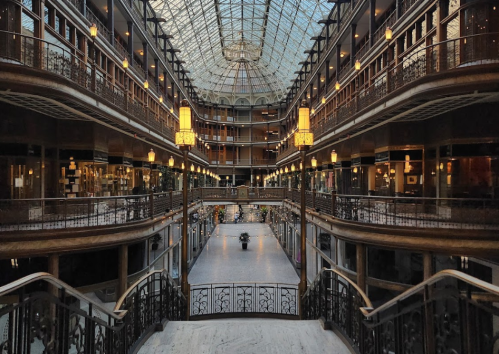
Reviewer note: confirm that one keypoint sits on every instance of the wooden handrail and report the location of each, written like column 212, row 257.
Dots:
column 49, row 278
column 447, row 273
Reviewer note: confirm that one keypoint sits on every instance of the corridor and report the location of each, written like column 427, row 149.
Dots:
column 224, row 260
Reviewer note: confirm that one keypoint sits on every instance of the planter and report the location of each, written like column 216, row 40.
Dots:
column 245, row 246
column 154, row 246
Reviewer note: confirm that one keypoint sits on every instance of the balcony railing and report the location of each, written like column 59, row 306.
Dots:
column 226, row 299
column 437, row 58
column 449, row 213
column 45, row 315
column 451, row 312
column 62, row 213
column 39, row 54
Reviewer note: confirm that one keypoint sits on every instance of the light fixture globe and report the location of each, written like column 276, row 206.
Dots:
column 337, row 86
column 303, row 137
column 388, row 34
column 171, row 161
column 357, row 65
column 293, row 168
column 192, row 168
column 185, row 137
column 125, row 63
column 93, row 30
column 151, row 155
column 334, row 156
column 314, row 162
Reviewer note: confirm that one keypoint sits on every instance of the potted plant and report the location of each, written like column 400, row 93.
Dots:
column 244, row 238
column 221, row 215
column 264, row 212
column 155, row 241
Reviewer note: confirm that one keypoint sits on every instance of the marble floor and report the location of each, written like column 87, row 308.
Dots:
column 244, row 336
column 223, row 259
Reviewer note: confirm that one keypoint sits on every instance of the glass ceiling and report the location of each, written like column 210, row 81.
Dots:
column 242, row 46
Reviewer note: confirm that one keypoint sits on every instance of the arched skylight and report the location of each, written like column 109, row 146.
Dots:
column 240, row 47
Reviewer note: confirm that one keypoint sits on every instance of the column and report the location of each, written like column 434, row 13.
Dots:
column 53, row 265
column 427, row 265
column 353, row 28
column 338, row 62
column 130, row 42
column 156, row 72
column 372, row 21
column 110, row 21
column 361, row 266
column 145, row 60
column 122, row 269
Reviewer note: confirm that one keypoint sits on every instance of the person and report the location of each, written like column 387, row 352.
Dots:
column 236, row 217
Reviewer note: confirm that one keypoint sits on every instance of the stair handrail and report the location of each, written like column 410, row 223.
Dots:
column 367, row 301
column 369, row 312
column 49, row 278
column 131, row 288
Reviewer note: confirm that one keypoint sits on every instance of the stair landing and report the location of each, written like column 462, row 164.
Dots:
column 244, row 336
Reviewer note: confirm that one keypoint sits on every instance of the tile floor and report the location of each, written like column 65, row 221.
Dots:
column 244, row 336
column 224, row 260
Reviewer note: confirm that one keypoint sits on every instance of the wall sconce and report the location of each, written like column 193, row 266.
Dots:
column 355, row 170
column 323, row 78
column 357, row 65
column 337, row 86
column 293, row 168
column 30, row 171
column 146, row 85
column 323, row 100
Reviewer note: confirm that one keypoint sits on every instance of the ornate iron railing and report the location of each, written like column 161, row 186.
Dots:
column 451, row 213
column 45, row 315
column 337, row 300
column 64, row 213
column 227, row 299
column 232, row 193
column 39, row 54
column 451, row 312
column 436, row 58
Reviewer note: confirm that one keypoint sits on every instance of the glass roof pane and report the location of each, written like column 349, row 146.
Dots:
column 242, row 46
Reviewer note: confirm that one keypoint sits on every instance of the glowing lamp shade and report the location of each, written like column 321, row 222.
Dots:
column 281, row 171
column 160, row 174
column 334, row 156
column 183, row 166
column 199, row 169
column 128, row 170
column 323, row 100
column 313, row 111
column 227, row 178
column 303, row 137
column 293, row 168
column 314, row 162
column 204, row 171
column 171, row 110
column 125, row 63
column 30, row 171
column 388, row 34
column 286, row 169
column 357, row 65
column 185, row 117
column 171, row 161
column 337, row 86
column 146, row 85
column 301, row 166
column 323, row 79
column 192, row 168
column 160, row 99
column 93, row 30
column 151, row 156
column 185, row 136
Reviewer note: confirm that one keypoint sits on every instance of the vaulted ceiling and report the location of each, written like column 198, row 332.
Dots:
column 234, row 47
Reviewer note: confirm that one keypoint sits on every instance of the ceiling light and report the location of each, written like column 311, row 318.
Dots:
column 356, row 35
column 127, row 33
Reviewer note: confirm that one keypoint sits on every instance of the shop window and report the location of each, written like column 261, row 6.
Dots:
column 347, row 255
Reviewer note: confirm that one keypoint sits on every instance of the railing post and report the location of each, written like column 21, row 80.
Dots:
column 333, row 203
column 151, row 204
column 314, row 192
column 429, row 334
column 171, row 199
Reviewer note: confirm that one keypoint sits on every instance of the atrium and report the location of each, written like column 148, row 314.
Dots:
column 356, row 138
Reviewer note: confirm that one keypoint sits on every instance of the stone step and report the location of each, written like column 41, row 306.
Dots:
column 244, row 336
